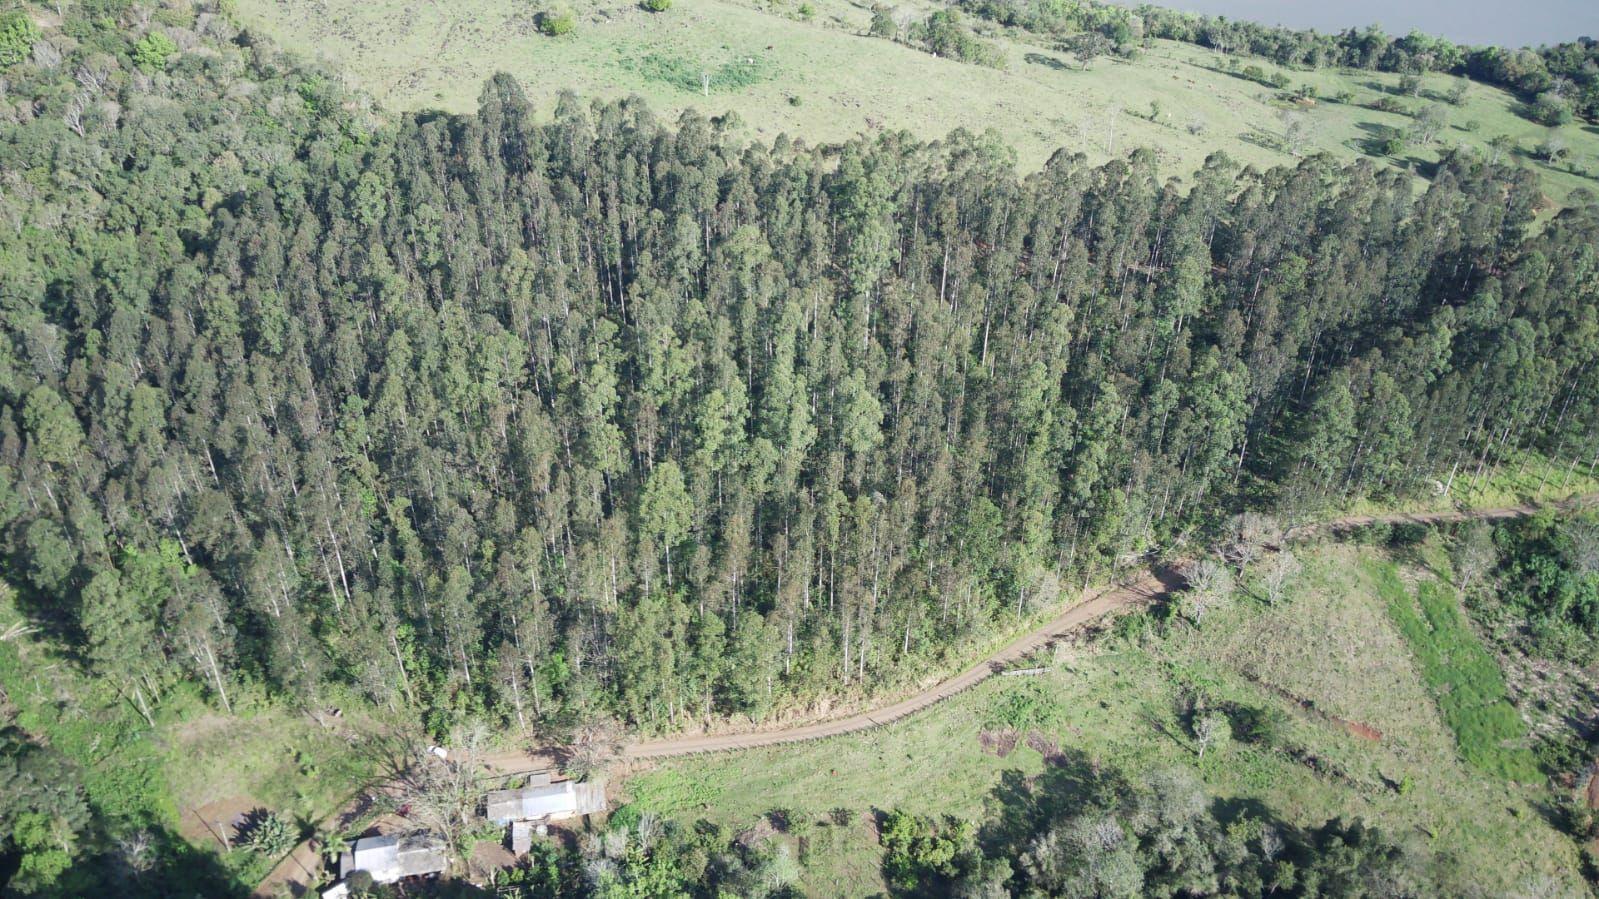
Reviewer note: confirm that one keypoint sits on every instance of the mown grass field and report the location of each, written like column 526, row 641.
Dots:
column 1332, row 644
column 820, row 78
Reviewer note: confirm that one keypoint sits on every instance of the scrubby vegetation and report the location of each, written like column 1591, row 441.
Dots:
column 1083, row 830
column 641, row 855
column 1546, row 573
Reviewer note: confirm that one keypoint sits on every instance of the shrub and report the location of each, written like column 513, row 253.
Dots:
column 1259, row 725
column 17, row 37
column 807, row 11
column 271, row 836
column 945, row 34
column 152, row 51
column 1030, row 706
column 1551, row 150
column 883, row 24
column 1549, row 109
column 919, row 850
column 657, row 5
column 554, row 23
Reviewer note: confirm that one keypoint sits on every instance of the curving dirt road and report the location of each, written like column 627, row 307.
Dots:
column 297, row 871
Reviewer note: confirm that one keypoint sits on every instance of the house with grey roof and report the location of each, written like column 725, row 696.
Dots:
column 393, row 857
column 542, row 801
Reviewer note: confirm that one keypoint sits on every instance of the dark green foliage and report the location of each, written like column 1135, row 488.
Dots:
column 923, row 854
column 883, row 24
column 639, row 855
column 539, row 419
column 1083, row 830
column 152, row 51
column 1260, row 725
column 1549, row 109
column 43, row 814
column 1548, row 576
column 268, row 834
column 657, row 5
column 471, row 414
column 944, row 33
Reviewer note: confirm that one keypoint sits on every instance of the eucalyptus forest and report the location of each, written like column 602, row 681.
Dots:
column 532, row 416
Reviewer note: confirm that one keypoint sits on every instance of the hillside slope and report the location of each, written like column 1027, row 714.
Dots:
column 1354, row 733
column 823, row 79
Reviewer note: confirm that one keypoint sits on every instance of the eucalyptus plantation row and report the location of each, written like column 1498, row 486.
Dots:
column 529, row 418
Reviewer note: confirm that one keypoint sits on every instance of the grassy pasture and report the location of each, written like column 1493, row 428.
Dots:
column 1331, row 644
column 822, row 79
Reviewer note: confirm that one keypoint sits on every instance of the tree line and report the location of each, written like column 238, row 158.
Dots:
column 1085, row 829
column 1564, row 74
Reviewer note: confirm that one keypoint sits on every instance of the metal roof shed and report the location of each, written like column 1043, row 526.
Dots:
column 391, row 857
column 552, row 800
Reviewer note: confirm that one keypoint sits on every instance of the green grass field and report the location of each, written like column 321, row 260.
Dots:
column 1331, row 644
column 822, row 79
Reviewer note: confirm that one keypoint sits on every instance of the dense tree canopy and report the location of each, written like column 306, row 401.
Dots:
column 1082, row 829
column 476, row 415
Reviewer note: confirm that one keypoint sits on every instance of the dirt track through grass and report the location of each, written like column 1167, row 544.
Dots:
column 294, row 870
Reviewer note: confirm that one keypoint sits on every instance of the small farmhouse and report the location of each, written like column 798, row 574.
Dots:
column 396, row 856
column 545, row 802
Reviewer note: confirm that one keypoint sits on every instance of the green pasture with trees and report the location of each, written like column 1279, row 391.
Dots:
column 532, row 416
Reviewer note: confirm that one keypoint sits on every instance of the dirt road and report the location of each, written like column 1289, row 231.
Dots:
column 297, row 870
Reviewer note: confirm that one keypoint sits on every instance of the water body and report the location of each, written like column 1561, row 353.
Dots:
column 1506, row 24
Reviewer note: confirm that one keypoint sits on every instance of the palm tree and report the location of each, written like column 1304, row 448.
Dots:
column 332, row 843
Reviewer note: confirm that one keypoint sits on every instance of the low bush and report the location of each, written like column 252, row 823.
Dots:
column 554, row 23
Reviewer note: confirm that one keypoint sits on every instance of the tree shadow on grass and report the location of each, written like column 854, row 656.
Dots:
column 1039, row 59
column 1022, row 804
